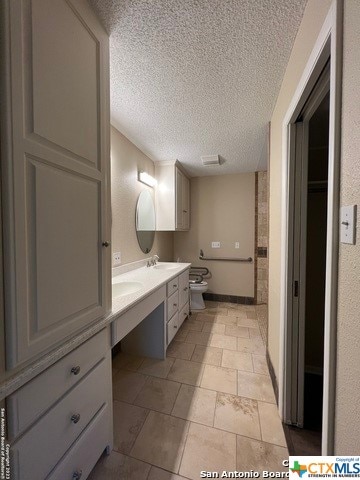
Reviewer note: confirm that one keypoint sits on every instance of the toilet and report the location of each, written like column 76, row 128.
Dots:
column 196, row 295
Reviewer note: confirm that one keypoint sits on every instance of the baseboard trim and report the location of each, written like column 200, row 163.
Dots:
column 273, row 377
column 216, row 297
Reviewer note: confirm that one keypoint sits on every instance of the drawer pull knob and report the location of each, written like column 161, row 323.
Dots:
column 175, row 304
column 75, row 370
column 175, row 326
column 185, row 289
column 175, row 286
column 106, row 244
column 77, row 475
column 185, row 314
column 75, row 418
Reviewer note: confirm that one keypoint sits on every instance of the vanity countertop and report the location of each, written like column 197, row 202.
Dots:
column 151, row 279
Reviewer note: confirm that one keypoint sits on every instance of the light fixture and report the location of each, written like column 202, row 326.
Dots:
column 147, row 179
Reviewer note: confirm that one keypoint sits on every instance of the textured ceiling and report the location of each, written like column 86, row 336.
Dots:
column 198, row 77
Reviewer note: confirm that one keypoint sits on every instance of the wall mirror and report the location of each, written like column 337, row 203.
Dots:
column 145, row 221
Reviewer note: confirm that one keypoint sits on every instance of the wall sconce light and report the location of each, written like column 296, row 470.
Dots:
column 147, row 179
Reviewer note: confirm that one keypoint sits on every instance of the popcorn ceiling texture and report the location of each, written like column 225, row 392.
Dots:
column 198, row 77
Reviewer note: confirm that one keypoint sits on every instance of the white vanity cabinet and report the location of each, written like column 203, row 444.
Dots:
column 55, row 173
column 172, row 197
column 61, row 421
column 177, row 304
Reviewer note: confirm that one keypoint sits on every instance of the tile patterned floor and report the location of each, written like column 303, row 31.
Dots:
column 209, row 406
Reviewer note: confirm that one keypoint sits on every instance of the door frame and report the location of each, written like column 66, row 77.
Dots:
column 298, row 189
column 328, row 44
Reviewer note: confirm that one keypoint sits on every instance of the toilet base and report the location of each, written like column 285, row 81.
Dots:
column 197, row 301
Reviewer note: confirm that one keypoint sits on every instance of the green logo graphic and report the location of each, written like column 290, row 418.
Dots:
column 299, row 469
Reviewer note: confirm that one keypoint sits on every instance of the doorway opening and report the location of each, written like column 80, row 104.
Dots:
column 309, row 140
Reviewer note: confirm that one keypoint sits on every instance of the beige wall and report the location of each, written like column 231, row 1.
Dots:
column 222, row 209
column 126, row 160
column 314, row 16
column 347, row 418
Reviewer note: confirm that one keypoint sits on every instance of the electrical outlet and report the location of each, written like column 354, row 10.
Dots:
column 116, row 259
column 237, row 245
column 215, row 244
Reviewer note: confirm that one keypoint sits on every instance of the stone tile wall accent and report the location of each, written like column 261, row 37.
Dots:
column 261, row 238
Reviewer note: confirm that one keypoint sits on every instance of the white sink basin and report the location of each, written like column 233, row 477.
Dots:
column 125, row 288
column 166, row 266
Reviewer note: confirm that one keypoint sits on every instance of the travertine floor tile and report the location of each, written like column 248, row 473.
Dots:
column 215, row 311
column 128, row 420
column 238, row 415
column 198, row 338
column 158, row 394
column 156, row 368
column 208, row 449
column 159, row 474
column 254, row 332
column 193, row 325
column 195, row 404
column 125, row 361
column 181, row 334
column 126, row 385
column 236, row 312
column 247, row 322
column 219, row 379
column 214, row 327
column 251, row 345
column 260, row 364
column 210, row 355
column 256, row 386
column 271, row 427
column 184, row 371
column 236, row 331
column 223, row 341
column 181, row 350
column 203, row 317
column 259, row 456
column 225, row 320
column 161, row 441
column 117, row 466
column 238, row 360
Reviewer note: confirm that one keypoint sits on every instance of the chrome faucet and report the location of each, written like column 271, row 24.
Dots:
column 152, row 261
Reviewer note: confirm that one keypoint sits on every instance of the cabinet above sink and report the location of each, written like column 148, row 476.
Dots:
column 172, row 197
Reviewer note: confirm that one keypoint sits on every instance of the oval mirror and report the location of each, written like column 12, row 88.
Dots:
column 145, row 221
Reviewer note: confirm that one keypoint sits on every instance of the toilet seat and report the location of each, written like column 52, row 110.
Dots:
column 198, row 286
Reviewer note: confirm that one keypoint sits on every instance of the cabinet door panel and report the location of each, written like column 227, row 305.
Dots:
column 55, row 174
column 183, row 288
column 65, row 87
column 178, row 199
column 185, row 203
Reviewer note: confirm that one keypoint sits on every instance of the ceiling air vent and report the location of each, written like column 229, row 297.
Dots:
column 208, row 160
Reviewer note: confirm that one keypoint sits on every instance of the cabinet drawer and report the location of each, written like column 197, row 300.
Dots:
column 36, row 452
column 172, row 327
column 83, row 455
column 172, row 286
column 184, row 312
column 172, row 304
column 29, row 402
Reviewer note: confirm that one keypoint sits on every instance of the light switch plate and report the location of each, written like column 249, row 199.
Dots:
column 215, row 244
column 116, row 259
column 348, row 224
column 237, row 245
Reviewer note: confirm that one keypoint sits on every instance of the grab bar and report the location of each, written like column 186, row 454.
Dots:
column 199, row 271
column 226, row 259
